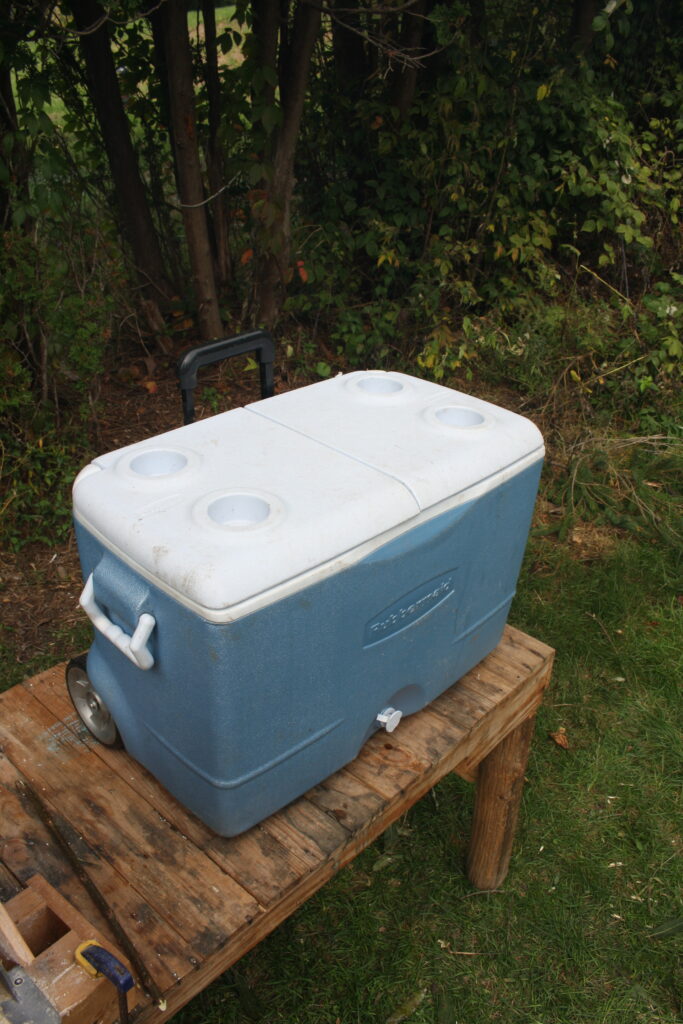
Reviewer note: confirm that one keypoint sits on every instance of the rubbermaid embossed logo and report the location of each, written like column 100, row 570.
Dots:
column 408, row 609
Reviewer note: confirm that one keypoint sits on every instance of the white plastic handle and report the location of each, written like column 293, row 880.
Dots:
column 134, row 647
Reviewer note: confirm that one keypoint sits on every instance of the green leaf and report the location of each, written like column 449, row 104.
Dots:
column 256, row 174
column 542, row 92
column 270, row 76
column 270, row 118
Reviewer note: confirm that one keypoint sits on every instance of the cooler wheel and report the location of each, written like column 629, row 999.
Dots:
column 90, row 707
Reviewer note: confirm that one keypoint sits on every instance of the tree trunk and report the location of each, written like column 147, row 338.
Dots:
column 214, row 163
column 478, row 26
column 136, row 218
column 8, row 144
column 157, row 167
column 188, row 167
column 273, row 261
column 348, row 46
column 14, row 193
column 265, row 35
column 405, row 78
column 581, row 31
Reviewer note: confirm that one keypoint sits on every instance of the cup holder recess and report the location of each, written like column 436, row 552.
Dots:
column 158, row 462
column 379, row 385
column 239, row 510
column 459, row 416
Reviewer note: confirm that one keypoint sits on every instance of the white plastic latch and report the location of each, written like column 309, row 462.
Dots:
column 389, row 718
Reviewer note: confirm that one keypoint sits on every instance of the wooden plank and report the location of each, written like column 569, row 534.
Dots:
column 13, row 946
column 463, row 706
column 39, row 925
column 40, row 889
column 185, row 888
column 493, row 679
column 427, row 735
column 26, row 848
column 492, row 723
column 34, row 851
column 49, row 689
column 312, row 833
column 9, row 883
column 523, row 650
column 347, row 800
column 78, row 998
column 493, row 728
column 259, row 862
column 385, row 767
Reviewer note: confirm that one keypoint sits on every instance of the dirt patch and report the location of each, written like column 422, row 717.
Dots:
column 39, row 590
column 590, row 541
column 585, row 541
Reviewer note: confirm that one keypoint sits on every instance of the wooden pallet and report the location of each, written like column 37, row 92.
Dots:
column 189, row 903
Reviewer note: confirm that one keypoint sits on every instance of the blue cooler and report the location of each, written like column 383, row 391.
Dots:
column 272, row 585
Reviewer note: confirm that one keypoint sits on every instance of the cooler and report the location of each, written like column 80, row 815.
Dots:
column 272, row 585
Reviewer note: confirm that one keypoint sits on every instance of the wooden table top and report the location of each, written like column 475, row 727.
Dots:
column 192, row 903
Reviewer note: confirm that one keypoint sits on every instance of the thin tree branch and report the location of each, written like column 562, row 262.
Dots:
column 194, row 206
column 97, row 25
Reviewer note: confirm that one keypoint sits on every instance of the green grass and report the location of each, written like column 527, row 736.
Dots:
column 597, row 864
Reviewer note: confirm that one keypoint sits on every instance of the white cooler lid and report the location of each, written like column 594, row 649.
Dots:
column 238, row 510
column 228, row 508
column 436, row 441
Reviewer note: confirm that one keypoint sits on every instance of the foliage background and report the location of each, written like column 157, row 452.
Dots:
column 492, row 202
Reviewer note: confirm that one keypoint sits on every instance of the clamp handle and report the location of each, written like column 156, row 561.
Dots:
column 99, row 962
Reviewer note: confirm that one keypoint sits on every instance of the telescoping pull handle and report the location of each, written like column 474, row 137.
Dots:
column 257, row 341
column 134, row 647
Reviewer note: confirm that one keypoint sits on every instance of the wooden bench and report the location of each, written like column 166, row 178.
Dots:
column 90, row 837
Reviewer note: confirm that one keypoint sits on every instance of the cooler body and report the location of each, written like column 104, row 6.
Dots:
column 237, row 719
column 243, row 702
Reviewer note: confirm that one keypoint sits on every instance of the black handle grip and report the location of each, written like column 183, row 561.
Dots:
column 253, row 341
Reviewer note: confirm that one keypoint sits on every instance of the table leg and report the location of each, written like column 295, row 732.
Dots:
column 498, row 795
